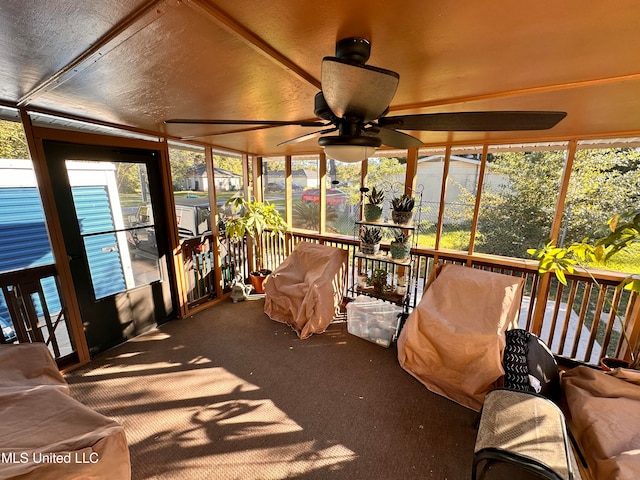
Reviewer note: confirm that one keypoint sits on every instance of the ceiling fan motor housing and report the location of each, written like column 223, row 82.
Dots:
column 354, row 49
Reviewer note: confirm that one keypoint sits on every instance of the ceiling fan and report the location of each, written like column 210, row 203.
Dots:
column 354, row 102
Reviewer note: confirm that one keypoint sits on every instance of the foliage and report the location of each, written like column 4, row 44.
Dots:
column 13, row 143
column 400, row 236
column 623, row 232
column 307, row 215
column 253, row 219
column 181, row 160
column 384, row 169
column 519, row 204
column 375, row 196
column 403, row 203
column 230, row 164
column 128, row 177
column 370, row 235
column 378, row 280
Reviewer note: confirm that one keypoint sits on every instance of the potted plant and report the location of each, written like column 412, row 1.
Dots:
column 402, row 212
column 370, row 238
column 253, row 219
column 373, row 209
column 400, row 247
column 378, row 280
column 624, row 230
column 401, row 285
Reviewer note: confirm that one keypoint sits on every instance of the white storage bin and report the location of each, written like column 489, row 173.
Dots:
column 373, row 319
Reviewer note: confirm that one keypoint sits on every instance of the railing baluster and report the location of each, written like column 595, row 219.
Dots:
column 567, row 315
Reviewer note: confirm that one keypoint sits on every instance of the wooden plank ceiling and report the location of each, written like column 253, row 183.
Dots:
column 139, row 62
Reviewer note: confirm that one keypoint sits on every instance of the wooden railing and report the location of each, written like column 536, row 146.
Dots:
column 199, row 267
column 578, row 321
column 33, row 301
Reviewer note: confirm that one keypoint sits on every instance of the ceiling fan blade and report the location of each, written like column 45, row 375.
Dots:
column 359, row 91
column 393, row 138
column 475, row 121
column 307, row 136
column 273, row 123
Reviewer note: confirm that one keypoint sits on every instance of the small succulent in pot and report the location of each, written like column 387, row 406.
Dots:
column 370, row 238
column 373, row 209
column 402, row 209
column 400, row 248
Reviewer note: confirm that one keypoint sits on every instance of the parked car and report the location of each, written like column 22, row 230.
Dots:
column 274, row 187
column 335, row 197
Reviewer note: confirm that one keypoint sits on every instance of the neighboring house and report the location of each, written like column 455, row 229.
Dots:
column 462, row 177
column 302, row 177
column 224, row 179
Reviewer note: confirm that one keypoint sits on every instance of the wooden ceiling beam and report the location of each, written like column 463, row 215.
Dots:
column 251, row 39
column 518, row 92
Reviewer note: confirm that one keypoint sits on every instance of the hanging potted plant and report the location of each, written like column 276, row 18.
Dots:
column 254, row 219
column 370, row 238
column 373, row 209
column 400, row 247
column 624, row 230
column 402, row 212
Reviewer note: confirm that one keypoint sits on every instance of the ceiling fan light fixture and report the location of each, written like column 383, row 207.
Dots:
column 349, row 149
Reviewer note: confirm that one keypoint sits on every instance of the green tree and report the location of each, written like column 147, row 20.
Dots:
column 516, row 213
column 230, row 164
column 181, row 161
column 13, row 143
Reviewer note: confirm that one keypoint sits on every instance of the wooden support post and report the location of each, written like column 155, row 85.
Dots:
column 56, row 239
column 443, row 194
column 322, row 189
column 476, row 208
column 411, row 172
column 545, row 280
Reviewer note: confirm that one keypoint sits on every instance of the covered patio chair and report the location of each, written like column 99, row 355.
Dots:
column 306, row 290
column 454, row 339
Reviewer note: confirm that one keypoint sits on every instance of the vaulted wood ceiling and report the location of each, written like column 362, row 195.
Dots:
column 139, row 62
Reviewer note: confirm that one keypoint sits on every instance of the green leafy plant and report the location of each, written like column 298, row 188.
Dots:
column 623, row 231
column 378, row 280
column 254, row 219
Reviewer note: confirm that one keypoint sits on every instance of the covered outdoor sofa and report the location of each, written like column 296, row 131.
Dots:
column 306, row 290
column 45, row 434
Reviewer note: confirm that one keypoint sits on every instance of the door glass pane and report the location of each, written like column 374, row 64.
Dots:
column 116, row 224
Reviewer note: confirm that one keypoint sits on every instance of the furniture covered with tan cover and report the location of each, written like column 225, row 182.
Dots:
column 29, row 364
column 453, row 340
column 45, row 434
column 604, row 414
column 306, row 290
